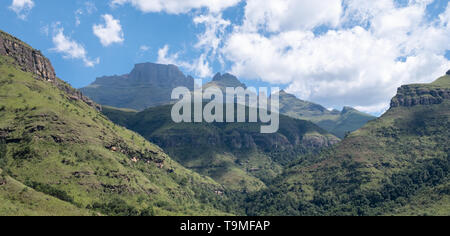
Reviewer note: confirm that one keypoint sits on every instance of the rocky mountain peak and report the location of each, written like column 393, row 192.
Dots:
column 448, row 72
column 347, row 109
column 227, row 80
column 27, row 58
column 148, row 84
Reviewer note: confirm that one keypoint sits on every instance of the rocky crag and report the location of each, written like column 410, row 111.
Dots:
column 27, row 58
column 31, row 60
column 417, row 94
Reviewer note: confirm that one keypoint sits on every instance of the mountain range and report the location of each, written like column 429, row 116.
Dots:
column 63, row 154
column 339, row 123
column 149, row 85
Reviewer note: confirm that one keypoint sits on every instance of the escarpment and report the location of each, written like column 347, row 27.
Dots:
column 27, row 58
column 414, row 95
column 31, row 60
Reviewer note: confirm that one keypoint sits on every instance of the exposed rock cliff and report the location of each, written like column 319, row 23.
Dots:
column 31, row 60
column 27, row 58
column 147, row 85
column 416, row 94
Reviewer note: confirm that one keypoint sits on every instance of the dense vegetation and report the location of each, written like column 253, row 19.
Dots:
column 396, row 165
column 234, row 154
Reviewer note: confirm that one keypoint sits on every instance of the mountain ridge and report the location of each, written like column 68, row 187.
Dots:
column 339, row 123
column 148, row 84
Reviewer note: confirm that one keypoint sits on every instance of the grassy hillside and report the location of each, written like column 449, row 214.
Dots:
column 60, row 156
column 234, row 154
column 398, row 164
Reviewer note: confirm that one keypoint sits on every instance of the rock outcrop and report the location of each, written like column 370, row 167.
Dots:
column 413, row 95
column 448, row 72
column 31, row 60
column 27, row 58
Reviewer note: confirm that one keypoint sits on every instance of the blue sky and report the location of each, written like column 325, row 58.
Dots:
column 334, row 52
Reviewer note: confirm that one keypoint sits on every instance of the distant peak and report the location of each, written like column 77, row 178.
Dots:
column 347, row 109
column 217, row 77
column 226, row 76
column 283, row 93
column 448, row 72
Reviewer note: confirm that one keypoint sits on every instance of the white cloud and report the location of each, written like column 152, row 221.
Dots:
column 274, row 16
column 22, row 8
column 87, row 9
column 200, row 67
column 177, row 6
column 144, row 48
column 334, row 52
column 372, row 48
column 70, row 48
column 110, row 32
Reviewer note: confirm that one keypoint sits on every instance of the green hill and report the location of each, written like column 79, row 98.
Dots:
column 234, row 154
column 335, row 122
column 60, row 156
column 398, row 164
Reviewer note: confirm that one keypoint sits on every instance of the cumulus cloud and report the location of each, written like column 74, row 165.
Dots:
column 22, row 8
column 177, row 6
column 110, row 32
column 334, row 52
column 368, row 50
column 284, row 15
column 70, row 48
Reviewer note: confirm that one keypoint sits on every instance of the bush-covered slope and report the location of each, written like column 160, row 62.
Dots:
column 234, row 154
column 74, row 161
column 397, row 164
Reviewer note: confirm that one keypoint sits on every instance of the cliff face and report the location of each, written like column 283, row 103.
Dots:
column 413, row 95
column 147, row 85
column 27, row 58
column 31, row 60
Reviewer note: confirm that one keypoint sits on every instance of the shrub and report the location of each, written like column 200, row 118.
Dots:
column 50, row 190
column 118, row 207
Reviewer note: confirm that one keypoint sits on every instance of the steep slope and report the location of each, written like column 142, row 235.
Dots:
column 397, row 164
column 74, row 161
column 335, row 122
column 147, row 85
column 16, row 200
column 234, row 154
